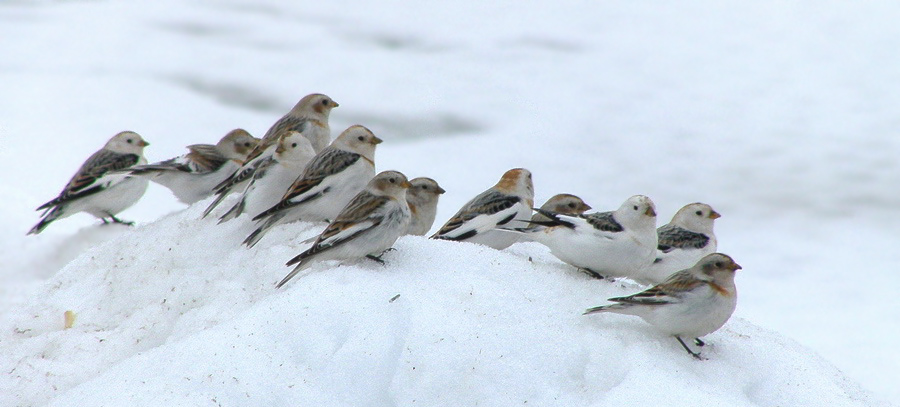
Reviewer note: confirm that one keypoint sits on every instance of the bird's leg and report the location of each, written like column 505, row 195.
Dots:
column 591, row 273
column 684, row 345
column 699, row 342
column 378, row 257
column 105, row 222
column 117, row 220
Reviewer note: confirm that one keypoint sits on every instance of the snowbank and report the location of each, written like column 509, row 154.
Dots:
column 178, row 313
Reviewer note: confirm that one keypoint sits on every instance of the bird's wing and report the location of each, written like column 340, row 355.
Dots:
column 483, row 213
column 363, row 213
column 90, row 177
column 667, row 292
column 673, row 237
column 330, row 162
column 283, row 125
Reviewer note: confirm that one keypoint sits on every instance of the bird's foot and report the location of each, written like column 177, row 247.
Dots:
column 699, row 342
column 692, row 353
column 591, row 273
column 117, row 220
column 375, row 258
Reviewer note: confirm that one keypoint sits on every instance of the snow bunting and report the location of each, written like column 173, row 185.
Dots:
column 682, row 242
column 603, row 244
column 423, row 199
column 273, row 176
column 333, row 177
column 566, row 204
column 691, row 303
column 367, row 226
column 192, row 177
column 504, row 204
column 97, row 188
column 309, row 117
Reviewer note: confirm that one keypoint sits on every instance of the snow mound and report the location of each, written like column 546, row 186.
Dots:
column 176, row 312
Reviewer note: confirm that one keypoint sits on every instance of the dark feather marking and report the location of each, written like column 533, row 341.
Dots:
column 603, row 221
column 674, row 237
column 487, row 204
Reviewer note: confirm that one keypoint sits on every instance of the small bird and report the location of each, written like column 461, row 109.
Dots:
column 503, row 205
column 566, row 204
column 682, row 242
column 423, row 200
column 192, row 177
column 309, row 117
column 691, row 303
column 333, row 177
column 366, row 227
column 273, row 176
column 602, row 244
column 96, row 188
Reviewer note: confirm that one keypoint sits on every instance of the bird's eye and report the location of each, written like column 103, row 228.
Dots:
column 718, row 264
column 391, row 180
column 130, row 141
column 294, row 145
column 425, row 187
column 571, row 205
column 635, row 207
column 247, row 144
column 360, row 138
column 699, row 213
column 325, row 102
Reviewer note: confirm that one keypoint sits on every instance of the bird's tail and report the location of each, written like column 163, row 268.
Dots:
column 234, row 212
column 47, row 219
column 258, row 234
column 293, row 273
column 220, row 196
column 606, row 308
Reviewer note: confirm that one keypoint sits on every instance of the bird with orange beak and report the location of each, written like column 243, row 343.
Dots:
column 506, row 204
column 682, row 242
column 612, row 244
column 366, row 227
column 98, row 187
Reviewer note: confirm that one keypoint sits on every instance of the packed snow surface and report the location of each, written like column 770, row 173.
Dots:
column 782, row 116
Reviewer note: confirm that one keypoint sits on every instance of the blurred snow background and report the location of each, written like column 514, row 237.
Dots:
column 783, row 116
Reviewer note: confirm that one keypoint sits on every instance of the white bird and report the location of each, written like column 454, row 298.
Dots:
column 273, row 176
column 97, row 188
column 603, row 244
column 309, row 117
column 423, row 198
column 333, row 177
column 566, row 204
column 691, row 303
column 682, row 242
column 192, row 177
column 369, row 224
column 503, row 205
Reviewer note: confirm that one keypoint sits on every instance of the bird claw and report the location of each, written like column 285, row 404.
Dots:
column 375, row 258
column 692, row 353
column 699, row 342
column 591, row 273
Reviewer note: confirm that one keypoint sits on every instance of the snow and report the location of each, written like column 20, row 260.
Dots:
column 779, row 115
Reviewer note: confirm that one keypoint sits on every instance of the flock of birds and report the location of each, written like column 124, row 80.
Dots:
column 295, row 172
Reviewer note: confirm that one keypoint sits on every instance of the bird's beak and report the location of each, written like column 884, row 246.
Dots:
column 650, row 212
column 440, row 190
column 714, row 215
column 334, row 104
column 736, row 267
column 279, row 149
column 376, row 140
column 586, row 207
column 406, row 184
column 143, row 143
